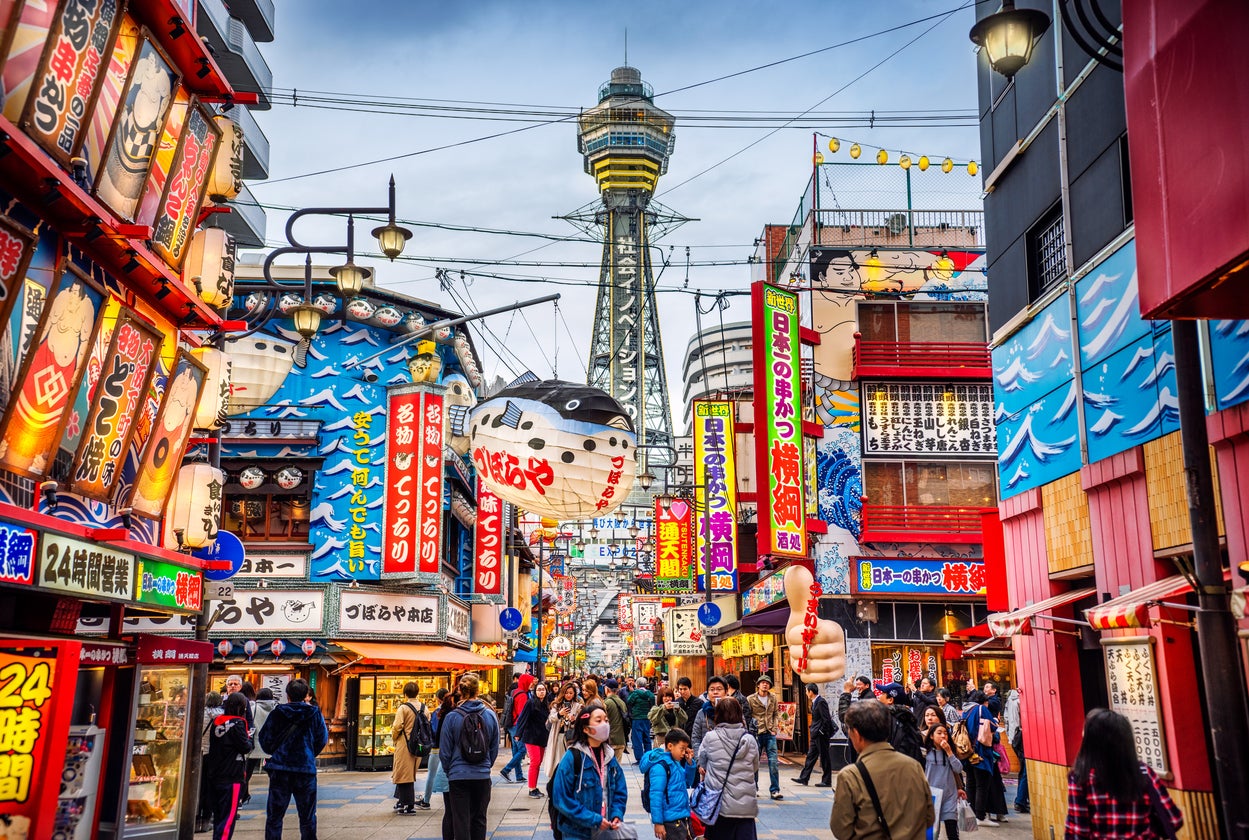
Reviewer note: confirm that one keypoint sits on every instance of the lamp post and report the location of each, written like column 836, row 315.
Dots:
column 1007, row 36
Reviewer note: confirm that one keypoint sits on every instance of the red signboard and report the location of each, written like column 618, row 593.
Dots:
column 429, row 483
column 399, row 510
column 184, row 188
column 488, row 551
column 674, row 545
column 164, row 650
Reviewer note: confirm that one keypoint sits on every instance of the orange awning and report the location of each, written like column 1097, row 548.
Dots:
column 411, row 653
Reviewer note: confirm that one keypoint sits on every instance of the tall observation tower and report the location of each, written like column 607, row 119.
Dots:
column 626, row 141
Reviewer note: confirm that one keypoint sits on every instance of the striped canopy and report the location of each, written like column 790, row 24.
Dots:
column 1017, row 621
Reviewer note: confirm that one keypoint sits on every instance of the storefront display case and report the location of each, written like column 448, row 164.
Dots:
column 158, row 751
column 373, row 700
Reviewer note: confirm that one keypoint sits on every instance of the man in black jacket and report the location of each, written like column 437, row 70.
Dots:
column 821, row 730
column 691, row 702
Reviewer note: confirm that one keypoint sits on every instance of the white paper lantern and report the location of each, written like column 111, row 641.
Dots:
column 209, row 266
column 288, row 478
column 360, row 309
column 387, row 316
column 254, row 302
column 326, row 303
column 555, row 448
column 259, row 365
column 413, row 321
column 251, row 478
column 210, row 413
column 194, row 507
column 287, row 303
column 226, row 180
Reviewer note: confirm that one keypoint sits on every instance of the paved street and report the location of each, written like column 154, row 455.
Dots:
column 358, row 805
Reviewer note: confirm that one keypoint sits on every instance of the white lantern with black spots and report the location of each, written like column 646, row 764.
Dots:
column 194, row 507
column 288, row 478
column 554, row 448
column 360, row 309
column 210, row 412
column 251, row 478
column 288, row 302
column 387, row 316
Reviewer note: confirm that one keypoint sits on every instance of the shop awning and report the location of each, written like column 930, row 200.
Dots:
column 434, row 656
column 971, row 640
column 1132, row 609
column 1016, row 622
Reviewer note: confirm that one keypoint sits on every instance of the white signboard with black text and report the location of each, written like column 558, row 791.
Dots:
column 266, row 612
column 683, row 635
column 459, row 620
column 270, row 566
column 1132, row 683
column 902, row 418
column 387, row 613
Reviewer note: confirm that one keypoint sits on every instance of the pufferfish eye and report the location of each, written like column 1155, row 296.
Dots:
column 572, row 405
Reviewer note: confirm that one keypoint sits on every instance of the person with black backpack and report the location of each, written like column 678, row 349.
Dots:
column 413, row 737
column 468, row 742
column 905, row 738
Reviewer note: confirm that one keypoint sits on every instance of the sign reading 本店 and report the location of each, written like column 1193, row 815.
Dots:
column 778, row 398
column 17, row 554
column 928, row 419
column 674, row 546
column 488, row 543
column 82, row 568
column 1132, row 685
column 399, row 513
column 716, row 481
column 918, row 576
column 429, row 483
column 166, row 585
column 387, row 613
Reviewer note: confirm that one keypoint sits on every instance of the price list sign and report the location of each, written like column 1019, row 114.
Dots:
column 1132, row 682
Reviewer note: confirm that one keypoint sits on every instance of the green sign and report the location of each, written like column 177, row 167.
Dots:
column 173, row 587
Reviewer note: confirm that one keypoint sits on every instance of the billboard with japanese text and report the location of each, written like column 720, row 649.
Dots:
column 918, row 576
column 716, row 495
column 399, row 513
column 488, row 543
column 674, row 546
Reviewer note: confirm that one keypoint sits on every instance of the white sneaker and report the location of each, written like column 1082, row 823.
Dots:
column 1002, row 818
column 987, row 821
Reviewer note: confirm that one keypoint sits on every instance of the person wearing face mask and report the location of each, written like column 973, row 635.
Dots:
column 588, row 792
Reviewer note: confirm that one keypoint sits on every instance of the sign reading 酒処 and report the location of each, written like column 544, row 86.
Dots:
column 674, row 546
column 1132, row 686
column 918, row 576
column 716, row 476
column 488, row 543
column 778, row 398
column 388, row 613
column 928, row 419
column 166, row 585
column 72, row 565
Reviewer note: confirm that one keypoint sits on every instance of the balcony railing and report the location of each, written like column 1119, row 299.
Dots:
column 921, row 359
column 921, row 523
column 893, row 228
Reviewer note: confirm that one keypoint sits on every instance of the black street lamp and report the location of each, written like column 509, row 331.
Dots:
column 1007, row 36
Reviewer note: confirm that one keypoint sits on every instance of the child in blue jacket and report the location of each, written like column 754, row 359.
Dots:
column 581, row 806
column 667, row 779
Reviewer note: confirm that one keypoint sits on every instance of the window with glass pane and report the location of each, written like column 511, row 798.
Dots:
column 876, row 322
column 924, row 322
column 927, row 484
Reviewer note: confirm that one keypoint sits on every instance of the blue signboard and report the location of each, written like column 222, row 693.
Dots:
column 918, row 576
column 709, row 615
column 510, row 619
column 227, row 548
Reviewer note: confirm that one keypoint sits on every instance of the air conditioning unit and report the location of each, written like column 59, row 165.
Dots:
column 896, row 223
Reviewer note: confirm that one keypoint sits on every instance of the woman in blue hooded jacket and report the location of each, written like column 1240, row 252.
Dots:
column 985, row 789
column 595, row 797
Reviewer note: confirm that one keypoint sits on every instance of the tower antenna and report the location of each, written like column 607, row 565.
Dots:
column 626, row 46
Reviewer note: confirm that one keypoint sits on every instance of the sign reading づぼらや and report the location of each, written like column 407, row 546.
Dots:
column 488, row 543
column 368, row 614
column 778, row 399
column 1132, row 687
column 716, row 476
column 928, row 419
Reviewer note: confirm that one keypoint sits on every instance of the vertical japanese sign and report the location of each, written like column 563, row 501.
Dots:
column 488, row 548
column 399, row 512
column 715, row 475
column 16, row 247
column 358, row 505
column 624, row 612
column 778, row 399
column 162, row 456
column 27, row 681
column 1132, row 685
column 184, row 189
column 674, row 546
column 429, row 483
column 119, row 396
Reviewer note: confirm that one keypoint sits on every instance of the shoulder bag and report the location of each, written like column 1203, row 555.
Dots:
column 705, row 801
column 871, row 792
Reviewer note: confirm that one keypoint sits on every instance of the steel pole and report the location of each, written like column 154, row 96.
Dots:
column 541, row 661
column 1227, row 713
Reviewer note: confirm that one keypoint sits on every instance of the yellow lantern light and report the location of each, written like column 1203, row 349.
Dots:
column 923, row 163
column 210, row 412
column 972, row 167
column 209, row 266
column 882, row 157
column 855, row 151
column 307, row 319
column 194, row 507
column 226, row 179
column 947, row 165
column 905, row 161
column 819, row 158
column 834, row 144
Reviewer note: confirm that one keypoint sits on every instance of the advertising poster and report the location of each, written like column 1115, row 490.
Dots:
column 107, row 101
column 429, row 483
column 184, row 187
column 24, row 46
column 399, row 511
column 716, row 479
column 674, row 546
column 171, row 587
column 78, row 47
column 17, row 245
column 488, row 543
column 1132, row 685
column 152, row 188
column 786, row 718
column 31, row 691
column 121, row 386
column 135, row 133
column 778, row 397
column 51, row 375
column 166, row 445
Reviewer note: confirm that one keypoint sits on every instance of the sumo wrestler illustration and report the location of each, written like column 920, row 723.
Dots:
column 137, row 134
column 164, row 448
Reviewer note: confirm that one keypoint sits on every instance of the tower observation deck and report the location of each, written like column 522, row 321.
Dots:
column 626, row 141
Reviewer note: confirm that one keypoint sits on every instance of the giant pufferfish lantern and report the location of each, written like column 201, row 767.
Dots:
column 554, row 448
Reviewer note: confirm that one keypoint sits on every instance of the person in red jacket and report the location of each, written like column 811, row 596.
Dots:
column 516, row 706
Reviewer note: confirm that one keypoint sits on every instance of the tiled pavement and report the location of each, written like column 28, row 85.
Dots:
column 358, row 806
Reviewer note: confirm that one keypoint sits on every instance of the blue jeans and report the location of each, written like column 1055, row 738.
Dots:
column 282, row 786
column 640, row 738
column 518, row 755
column 767, row 743
column 1021, row 795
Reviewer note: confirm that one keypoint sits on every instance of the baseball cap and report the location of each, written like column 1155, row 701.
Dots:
column 893, row 690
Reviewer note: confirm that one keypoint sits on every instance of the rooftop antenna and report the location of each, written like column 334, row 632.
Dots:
column 626, row 46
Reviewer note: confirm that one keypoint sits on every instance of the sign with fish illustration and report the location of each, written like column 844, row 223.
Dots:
column 554, row 448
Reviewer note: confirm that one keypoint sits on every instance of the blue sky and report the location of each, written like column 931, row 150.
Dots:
column 557, row 54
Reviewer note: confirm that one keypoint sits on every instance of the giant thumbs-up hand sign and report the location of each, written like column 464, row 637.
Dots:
column 817, row 646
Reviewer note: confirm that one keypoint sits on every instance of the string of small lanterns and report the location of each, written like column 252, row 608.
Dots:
column 904, row 160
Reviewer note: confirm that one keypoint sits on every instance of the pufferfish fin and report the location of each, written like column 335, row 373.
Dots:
column 524, row 379
column 300, row 354
column 511, row 415
column 457, row 420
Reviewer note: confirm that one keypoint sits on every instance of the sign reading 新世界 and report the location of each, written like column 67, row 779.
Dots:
column 17, row 554
column 72, row 565
column 1132, row 687
column 928, row 419
column 166, row 585
column 387, row 613
column 918, row 576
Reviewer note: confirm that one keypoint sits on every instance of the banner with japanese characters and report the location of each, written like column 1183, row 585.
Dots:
column 1132, row 686
column 81, row 568
column 184, row 187
column 674, row 546
column 162, row 456
column 168, row 586
column 429, row 483
column 715, row 475
column 17, row 245
column 488, row 543
column 683, row 635
column 928, row 419
column 17, row 554
column 36, row 695
column 271, row 612
column 918, row 576
column 400, row 520
column 389, row 614
column 778, row 414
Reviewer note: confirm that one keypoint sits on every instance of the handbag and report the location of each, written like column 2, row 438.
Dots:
column 984, row 735
column 626, row 831
column 1160, row 819
column 705, row 801
column 1003, row 761
column 966, row 818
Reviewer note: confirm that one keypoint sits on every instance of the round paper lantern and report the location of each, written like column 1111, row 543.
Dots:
column 387, row 316
column 250, row 647
column 254, row 302
column 288, row 478
column 413, row 321
column 442, row 333
column 309, row 647
column 360, row 309
column 326, row 303
column 210, row 412
column 288, row 302
column 277, row 648
column 225, row 647
column 226, row 179
column 252, row 477
column 555, row 448
column 209, row 267
column 194, row 507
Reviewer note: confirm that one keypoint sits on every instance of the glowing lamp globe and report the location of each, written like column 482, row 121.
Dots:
column 209, row 266
column 555, row 448
column 225, row 180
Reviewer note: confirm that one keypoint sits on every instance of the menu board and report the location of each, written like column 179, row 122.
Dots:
column 1132, row 682
column 929, row 419
column 787, row 715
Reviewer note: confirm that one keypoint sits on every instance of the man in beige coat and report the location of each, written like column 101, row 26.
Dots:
column 403, row 771
column 905, row 802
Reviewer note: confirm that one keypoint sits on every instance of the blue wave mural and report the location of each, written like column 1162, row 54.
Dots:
column 1129, row 398
column 1036, row 359
column 840, row 481
column 1039, row 443
column 1229, row 351
column 1108, row 307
